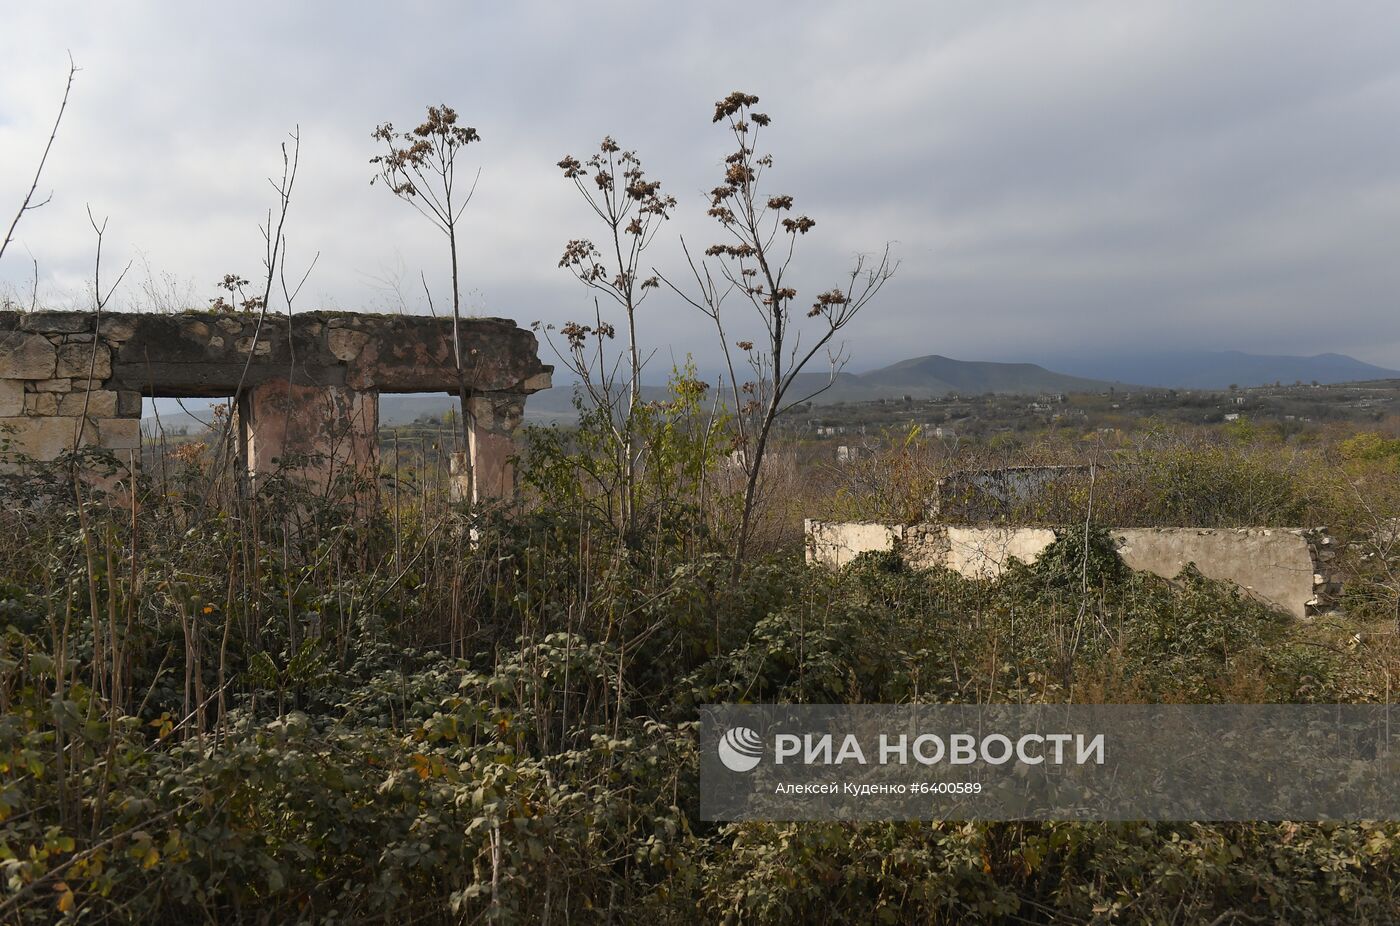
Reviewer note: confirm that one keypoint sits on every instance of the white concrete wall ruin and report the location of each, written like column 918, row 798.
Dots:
column 986, row 552
column 1285, row 567
column 1281, row 566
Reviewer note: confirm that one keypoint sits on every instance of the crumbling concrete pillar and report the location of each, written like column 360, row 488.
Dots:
column 494, row 418
column 315, row 433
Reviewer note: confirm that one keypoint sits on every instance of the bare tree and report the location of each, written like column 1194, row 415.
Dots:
column 99, row 305
column 754, row 261
column 421, row 169
column 632, row 209
column 28, row 204
column 274, row 260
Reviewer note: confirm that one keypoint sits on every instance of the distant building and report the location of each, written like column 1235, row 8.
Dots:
column 971, row 496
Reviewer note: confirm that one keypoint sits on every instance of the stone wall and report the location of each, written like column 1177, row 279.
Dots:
column 304, row 388
column 56, row 389
column 1286, row 567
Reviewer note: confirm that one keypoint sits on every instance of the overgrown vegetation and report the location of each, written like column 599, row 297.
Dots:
column 225, row 709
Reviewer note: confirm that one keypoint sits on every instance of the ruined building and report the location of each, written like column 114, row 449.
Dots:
column 307, row 387
column 969, row 528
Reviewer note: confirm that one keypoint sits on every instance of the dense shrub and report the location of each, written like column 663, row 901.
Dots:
column 265, row 709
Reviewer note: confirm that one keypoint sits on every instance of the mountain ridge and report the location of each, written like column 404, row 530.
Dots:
column 935, row 376
column 1203, row 369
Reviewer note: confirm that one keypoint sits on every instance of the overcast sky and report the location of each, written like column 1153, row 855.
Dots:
column 1056, row 177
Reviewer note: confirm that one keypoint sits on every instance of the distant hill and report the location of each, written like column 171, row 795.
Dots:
column 922, row 377
column 1219, row 369
column 935, row 375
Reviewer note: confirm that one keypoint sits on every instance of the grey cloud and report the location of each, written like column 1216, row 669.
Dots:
column 1058, row 177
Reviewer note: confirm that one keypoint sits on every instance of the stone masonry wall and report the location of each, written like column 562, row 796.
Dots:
column 56, row 393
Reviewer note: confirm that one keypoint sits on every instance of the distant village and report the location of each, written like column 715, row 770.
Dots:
column 1289, row 409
